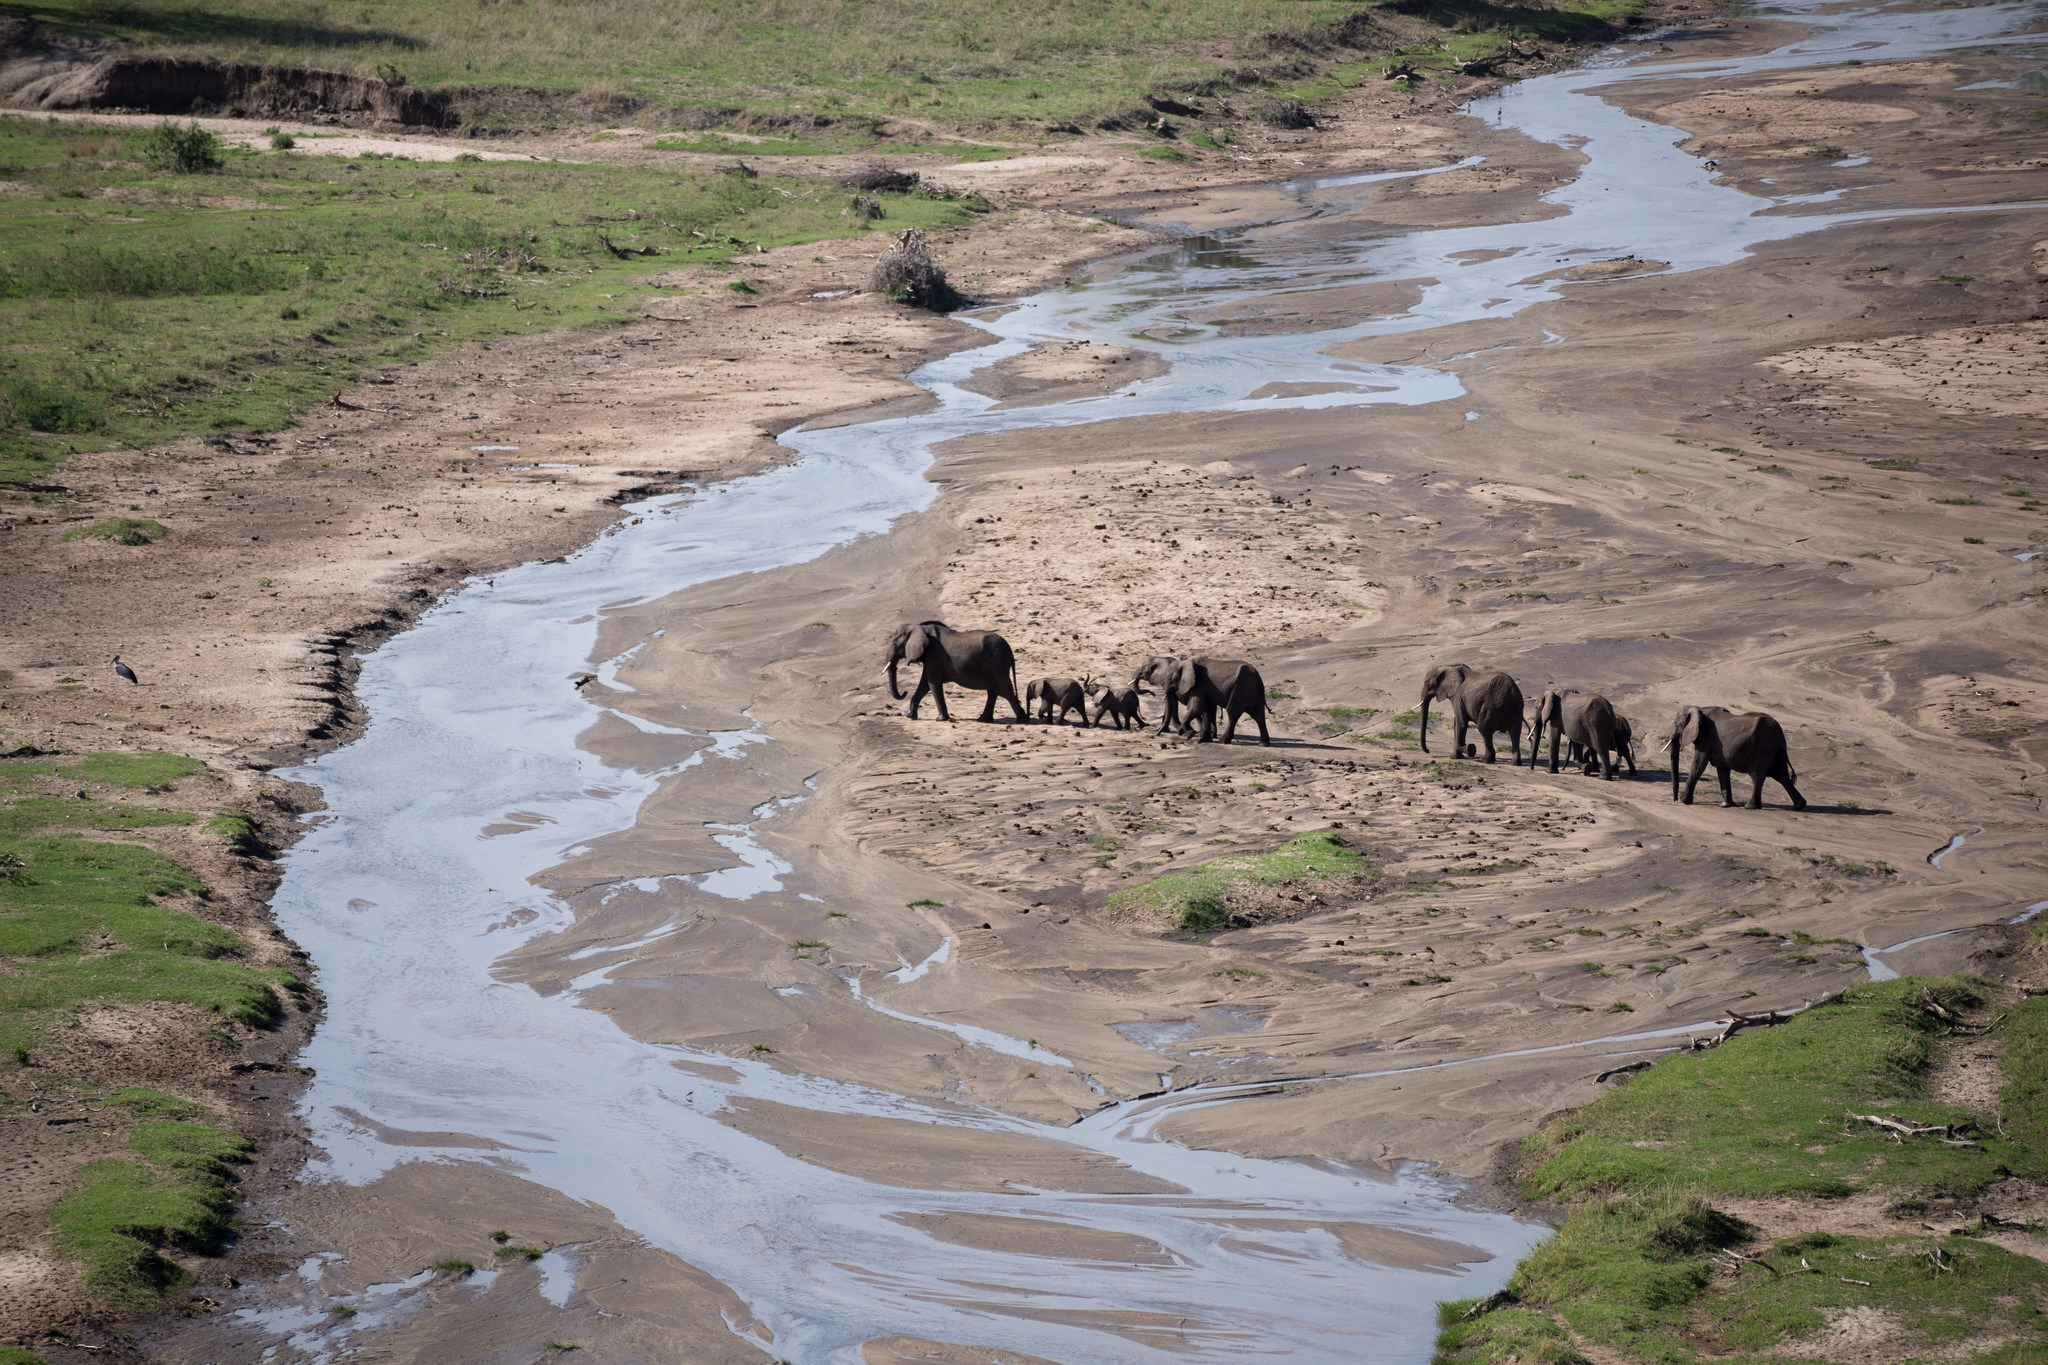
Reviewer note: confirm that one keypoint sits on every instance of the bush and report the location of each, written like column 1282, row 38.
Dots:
column 190, row 150
column 1286, row 114
column 879, row 178
column 282, row 142
column 907, row 273
column 45, row 405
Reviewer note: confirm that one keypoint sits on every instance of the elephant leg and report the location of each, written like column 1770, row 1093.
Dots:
column 1692, row 780
column 1756, row 791
column 1515, row 743
column 917, row 697
column 939, row 696
column 1258, row 715
column 1554, row 736
column 1782, row 774
column 1230, row 729
column 1486, row 739
column 1727, row 784
column 988, row 710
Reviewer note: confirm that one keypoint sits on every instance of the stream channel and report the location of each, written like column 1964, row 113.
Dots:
column 395, row 885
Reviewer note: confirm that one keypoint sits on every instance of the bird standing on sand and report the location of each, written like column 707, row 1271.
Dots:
column 124, row 672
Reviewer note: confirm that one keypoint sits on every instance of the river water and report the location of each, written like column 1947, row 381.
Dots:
column 395, row 891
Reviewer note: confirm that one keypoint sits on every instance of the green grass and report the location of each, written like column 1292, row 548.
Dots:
column 140, row 306
column 120, row 1212
column 146, row 770
column 883, row 58
column 860, row 141
column 85, row 925
column 15, row 1355
column 1199, row 898
column 121, row 530
column 1742, row 1116
column 1642, row 1266
column 153, row 1104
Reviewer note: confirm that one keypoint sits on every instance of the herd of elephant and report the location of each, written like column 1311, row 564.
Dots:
column 1585, row 724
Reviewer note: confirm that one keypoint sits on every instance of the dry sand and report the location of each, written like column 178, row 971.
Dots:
column 1676, row 504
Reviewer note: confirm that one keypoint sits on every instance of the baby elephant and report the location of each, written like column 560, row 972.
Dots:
column 1044, row 694
column 1585, row 720
column 1624, row 746
column 1119, row 704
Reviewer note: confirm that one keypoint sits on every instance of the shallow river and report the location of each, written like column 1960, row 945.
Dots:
column 395, row 886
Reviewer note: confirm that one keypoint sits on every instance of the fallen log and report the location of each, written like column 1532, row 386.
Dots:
column 1622, row 1071
column 1738, row 1021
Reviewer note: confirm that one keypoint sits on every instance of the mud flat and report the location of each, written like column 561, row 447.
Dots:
column 719, row 976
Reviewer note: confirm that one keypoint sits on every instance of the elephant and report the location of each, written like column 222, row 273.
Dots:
column 1586, row 719
column 1488, row 701
column 1119, row 704
column 1199, row 686
column 1624, row 744
column 979, row 660
column 1751, row 742
column 1047, row 694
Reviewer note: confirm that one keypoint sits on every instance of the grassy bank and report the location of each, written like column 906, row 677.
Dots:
column 1650, row 1266
column 837, row 66
column 143, row 304
column 86, row 921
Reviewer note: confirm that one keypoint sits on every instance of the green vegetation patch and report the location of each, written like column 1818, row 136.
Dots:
column 1200, row 899
column 146, row 770
column 1648, row 1269
column 142, row 304
column 1762, row 1114
column 16, row 1355
column 154, row 1104
column 121, row 530
column 30, row 813
column 120, row 1213
column 81, row 925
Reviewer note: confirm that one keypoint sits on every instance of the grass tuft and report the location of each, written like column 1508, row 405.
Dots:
column 1200, row 899
column 121, row 530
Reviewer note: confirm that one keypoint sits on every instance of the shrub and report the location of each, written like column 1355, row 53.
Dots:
column 877, row 178
column 190, row 150
column 43, row 405
column 282, row 142
column 907, row 273
column 1286, row 114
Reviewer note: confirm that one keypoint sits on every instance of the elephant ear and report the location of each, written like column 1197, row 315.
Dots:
column 1182, row 681
column 914, row 648
column 1689, row 728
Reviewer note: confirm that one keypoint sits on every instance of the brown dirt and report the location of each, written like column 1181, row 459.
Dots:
column 1344, row 554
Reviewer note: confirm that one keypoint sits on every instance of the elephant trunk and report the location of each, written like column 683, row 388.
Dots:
column 895, row 656
column 1677, row 746
column 1423, row 728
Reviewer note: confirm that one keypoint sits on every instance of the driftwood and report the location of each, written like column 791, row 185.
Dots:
column 1403, row 71
column 1630, row 1069
column 1948, row 1134
column 626, row 253
column 1738, row 1021
column 1496, row 1299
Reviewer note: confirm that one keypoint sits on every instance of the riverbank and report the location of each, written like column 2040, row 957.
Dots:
column 1293, row 974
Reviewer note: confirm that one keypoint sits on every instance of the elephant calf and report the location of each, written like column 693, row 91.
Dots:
column 1119, row 704
column 1045, row 694
column 1585, row 719
column 1752, row 742
column 1624, row 744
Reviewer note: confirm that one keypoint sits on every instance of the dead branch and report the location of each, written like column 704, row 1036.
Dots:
column 1631, row 1068
column 1403, row 71
column 1949, row 1134
column 1738, row 1021
column 626, row 253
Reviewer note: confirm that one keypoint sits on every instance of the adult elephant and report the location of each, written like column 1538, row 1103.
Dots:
column 1490, row 702
column 1751, row 742
column 1585, row 720
column 978, row 660
column 1197, row 688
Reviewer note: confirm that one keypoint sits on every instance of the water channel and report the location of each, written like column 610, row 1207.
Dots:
column 394, row 888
